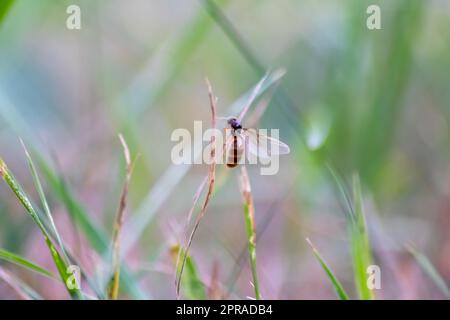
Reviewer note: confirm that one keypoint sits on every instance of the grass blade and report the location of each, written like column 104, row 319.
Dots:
column 20, row 287
column 211, row 184
column 193, row 287
column 38, row 186
column 23, row 262
column 431, row 271
column 361, row 251
column 24, row 200
column 114, row 288
column 94, row 234
column 5, row 6
column 249, row 212
column 340, row 291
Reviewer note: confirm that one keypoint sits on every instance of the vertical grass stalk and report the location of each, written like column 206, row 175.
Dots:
column 114, row 286
column 183, row 255
column 249, row 214
column 361, row 250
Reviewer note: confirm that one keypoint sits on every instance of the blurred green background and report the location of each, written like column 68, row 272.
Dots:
column 374, row 102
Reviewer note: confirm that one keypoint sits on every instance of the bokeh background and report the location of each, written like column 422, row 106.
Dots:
column 375, row 103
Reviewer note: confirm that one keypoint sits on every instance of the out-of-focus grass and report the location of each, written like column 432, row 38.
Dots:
column 116, row 254
column 5, row 6
column 23, row 290
column 359, row 83
column 361, row 250
column 431, row 271
column 23, row 262
column 192, row 287
column 250, row 227
column 24, row 200
column 340, row 291
column 38, row 185
column 358, row 233
column 96, row 236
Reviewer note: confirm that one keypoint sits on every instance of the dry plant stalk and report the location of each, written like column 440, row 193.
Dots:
column 114, row 287
column 211, row 181
column 249, row 211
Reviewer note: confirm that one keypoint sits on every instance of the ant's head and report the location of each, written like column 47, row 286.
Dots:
column 234, row 123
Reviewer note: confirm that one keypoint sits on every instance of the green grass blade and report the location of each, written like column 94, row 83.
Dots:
column 23, row 262
column 5, row 6
column 192, row 287
column 24, row 200
column 431, row 271
column 249, row 214
column 340, row 291
column 361, row 251
column 95, row 235
column 38, row 186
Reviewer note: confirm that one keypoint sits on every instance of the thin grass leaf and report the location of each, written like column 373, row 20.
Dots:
column 249, row 213
column 343, row 190
column 361, row 250
column 24, row 200
column 5, row 6
column 23, row 262
column 97, row 237
column 193, row 287
column 284, row 102
column 114, row 288
column 337, row 286
column 38, row 186
column 21, row 288
column 94, row 234
column 52, row 228
column 431, row 271
column 211, row 183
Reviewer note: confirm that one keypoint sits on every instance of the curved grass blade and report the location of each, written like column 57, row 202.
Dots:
column 431, row 271
column 96, row 236
column 24, row 200
column 340, row 291
column 23, row 262
column 359, row 238
column 38, row 186
column 193, row 287
column 211, row 185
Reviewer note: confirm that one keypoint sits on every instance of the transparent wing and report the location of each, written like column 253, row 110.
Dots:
column 263, row 146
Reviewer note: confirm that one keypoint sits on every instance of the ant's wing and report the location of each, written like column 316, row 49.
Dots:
column 263, row 146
